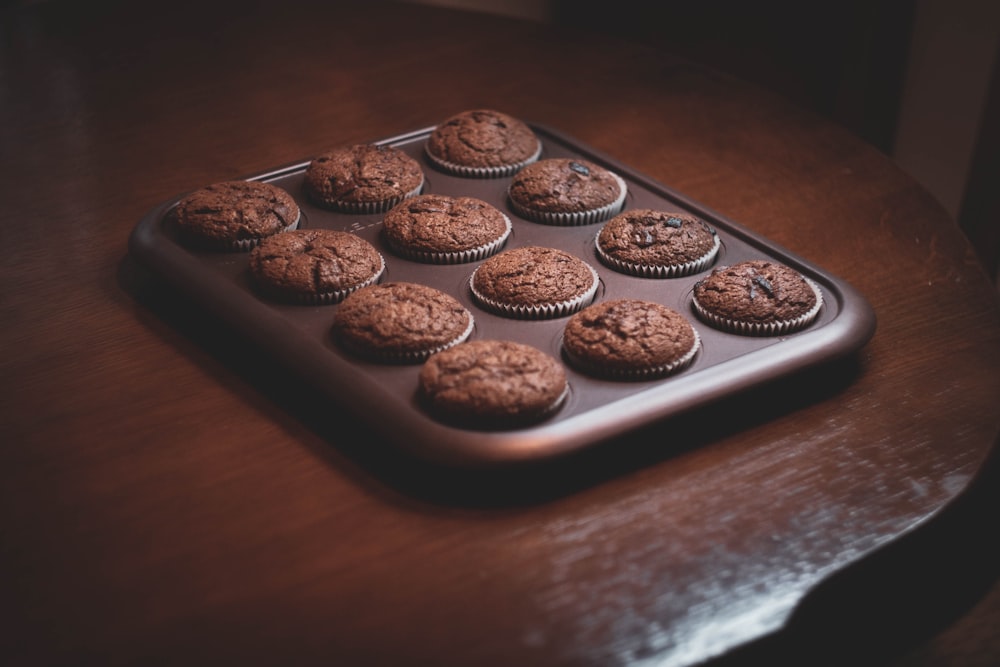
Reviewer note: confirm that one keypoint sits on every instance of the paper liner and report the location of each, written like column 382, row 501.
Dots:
column 573, row 218
column 762, row 328
column 457, row 257
column 406, row 356
column 481, row 172
column 544, row 413
column 541, row 311
column 652, row 372
column 659, row 271
column 366, row 208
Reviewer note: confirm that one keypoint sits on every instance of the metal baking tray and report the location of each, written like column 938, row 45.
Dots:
column 384, row 397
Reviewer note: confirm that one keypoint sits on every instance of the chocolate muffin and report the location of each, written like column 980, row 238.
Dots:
column 656, row 244
column 234, row 215
column 492, row 384
column 400, row 322
column 482, row 143
column 629, row 339
column 757, row 298
column 534, row 283
column 564, row 191
column 440, row 229
column 363, row 178
column 315, row 266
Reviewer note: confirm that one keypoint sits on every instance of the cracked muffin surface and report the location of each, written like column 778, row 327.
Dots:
column 534, row 281
column 482, row 139
column 757, row 297
column 400, row 321
column 446, row 228
column 568, row 189
column 315, row 264
column 493, row 382
column 235, row 215
column 629, row 337
column 656, row 243
column 363, row 178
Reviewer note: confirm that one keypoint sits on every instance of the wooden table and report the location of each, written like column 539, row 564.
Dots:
column 171, row 496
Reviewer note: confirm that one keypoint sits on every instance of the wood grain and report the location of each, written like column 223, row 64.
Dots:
column 169, row 495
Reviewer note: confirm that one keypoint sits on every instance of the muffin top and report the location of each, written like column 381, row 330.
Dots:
column 362, row 174
column 533, row 275
column 235, row 214
column 483, row 138
column 400, row 321
column 315, row 262
column 651, row 238
column 441, row 223
column 629, row 335
column 758, row 291
column 563, row 185
column 494, row 381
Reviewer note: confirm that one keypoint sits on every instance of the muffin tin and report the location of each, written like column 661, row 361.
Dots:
column 384, row 396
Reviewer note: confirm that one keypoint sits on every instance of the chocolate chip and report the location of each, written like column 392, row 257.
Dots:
column 579, row 168
column 765, row 285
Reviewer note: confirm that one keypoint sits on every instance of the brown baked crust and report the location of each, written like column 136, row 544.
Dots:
column 533, row 275
column 440, row 223
column 563, row 185
column 360, row 174
column 493, row 381
column 227, row 213
column 314, row 262
column 628, row 335
column 400, row 321
column 482, row 138
column 756, row 291
column 656, row 238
